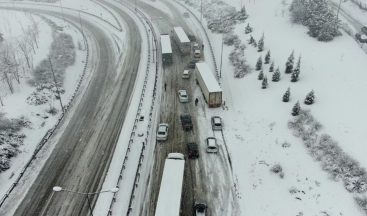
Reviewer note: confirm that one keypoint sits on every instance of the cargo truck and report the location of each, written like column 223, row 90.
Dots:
column 166, row 49
column 208, row 84
column 181, row 39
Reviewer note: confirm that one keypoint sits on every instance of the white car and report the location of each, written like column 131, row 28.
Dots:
column 186, row 74
column 216, row 123
column 162, row 132
column 211, row 145
column 182, row 96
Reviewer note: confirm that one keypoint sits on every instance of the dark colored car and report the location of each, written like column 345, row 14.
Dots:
column 191, row 64
column 192, row 150
column 200, row 209
column 186, row 122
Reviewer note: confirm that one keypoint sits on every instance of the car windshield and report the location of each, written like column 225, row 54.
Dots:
column 212, row 147
column 161, row 132
column 183, row 94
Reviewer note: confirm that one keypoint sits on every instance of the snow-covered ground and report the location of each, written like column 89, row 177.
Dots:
column 15, row 104
column 256, row 122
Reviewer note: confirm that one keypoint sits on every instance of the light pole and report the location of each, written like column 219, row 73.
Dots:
column 59, row 189
column 57, row 88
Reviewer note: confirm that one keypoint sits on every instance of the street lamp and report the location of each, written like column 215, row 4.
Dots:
column 59, row 189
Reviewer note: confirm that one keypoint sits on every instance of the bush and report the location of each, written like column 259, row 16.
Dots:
column 230, row 39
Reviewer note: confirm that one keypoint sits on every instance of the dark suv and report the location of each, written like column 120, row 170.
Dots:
column 200, row 209
column 193, row 150
column 186, row 122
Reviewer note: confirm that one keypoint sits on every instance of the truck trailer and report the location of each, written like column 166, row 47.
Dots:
column 166, row 49
column 208, row 84
column 181, row 39
column 169, row 198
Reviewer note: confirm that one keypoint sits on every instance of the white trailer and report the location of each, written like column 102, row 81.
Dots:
column 208, row 84
column 169, row 198
column 166, row 49
column 181, row 39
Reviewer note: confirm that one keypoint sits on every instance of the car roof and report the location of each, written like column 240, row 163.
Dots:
column 211, row 141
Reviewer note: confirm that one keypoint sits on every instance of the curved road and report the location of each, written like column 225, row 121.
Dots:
column 82, row 155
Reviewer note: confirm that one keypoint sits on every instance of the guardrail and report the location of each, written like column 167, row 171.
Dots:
column 50, row 132
column 206, row 35
column 144, row 20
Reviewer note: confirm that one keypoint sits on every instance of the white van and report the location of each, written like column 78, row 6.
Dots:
column 186, row 74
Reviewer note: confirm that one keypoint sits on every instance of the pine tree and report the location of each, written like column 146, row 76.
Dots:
column 251, row 40
column 296, row 71
column 296, row 109
column 248, row 29
column 287, row 95
column 267, row 57
column 271, row 69
column 310, row 98
column 289, row 63
column 259, row 63
column 260, row 44
column 276, row 76
column 264, row 83
column 261, row 75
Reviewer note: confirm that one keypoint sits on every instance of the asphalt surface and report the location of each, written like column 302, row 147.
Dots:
column 206, row 179
column 82, row 155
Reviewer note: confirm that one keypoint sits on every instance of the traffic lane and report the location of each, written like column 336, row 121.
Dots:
column 81, row 156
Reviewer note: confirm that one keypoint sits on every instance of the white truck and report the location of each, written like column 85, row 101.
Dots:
column 181, row 39
column 166, row 49
column 169, row 198
column 208, row 84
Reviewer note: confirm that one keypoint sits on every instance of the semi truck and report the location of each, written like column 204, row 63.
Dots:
column 181, row 39
column 208, row 84
column 169, row 198
column 166, row 49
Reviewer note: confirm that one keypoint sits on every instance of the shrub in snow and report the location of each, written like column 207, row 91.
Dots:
column 261, row 75
column 264, row 83
column 230, row 38
column 320, row 19
column 276, row 76
column 310, row 98
column 267, row 58
column 296, row 109
column 52, row 110
column 287, row 95
column 277, row 169
column 361, row 202
column 237, row 59
column 259, row 63
column 289, row 63
column 324, row 149
column 271, row 68
column 260, row 44
column 248, row 29
column 296, row 71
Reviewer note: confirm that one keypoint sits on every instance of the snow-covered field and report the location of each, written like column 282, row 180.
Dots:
column 256, row 124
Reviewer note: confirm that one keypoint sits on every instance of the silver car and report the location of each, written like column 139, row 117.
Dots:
column 162, row 132
column 182, row 96
column 217, row 123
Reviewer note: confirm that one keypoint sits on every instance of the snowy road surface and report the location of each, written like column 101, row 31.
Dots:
column 83, row 152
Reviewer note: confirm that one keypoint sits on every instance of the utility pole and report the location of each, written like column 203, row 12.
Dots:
column 221, row 52
column 81, row 28
column 57, row 88
column 337, row 13
column 201, row 11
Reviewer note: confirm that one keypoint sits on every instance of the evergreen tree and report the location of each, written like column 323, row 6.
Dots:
column 254, row 44
column 251, row 40
column 296, row 109
column 264, row 83
column 260, row 44
column 271, row 69
column 259, row 63
column 296, row 71
column 289, row 63
column 310, row 98
column 261, row 75
column 287, row 95
column 276, row 76
column 267, row 57
column 248, row 29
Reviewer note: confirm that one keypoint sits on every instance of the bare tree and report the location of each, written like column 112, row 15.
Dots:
column 25, row 51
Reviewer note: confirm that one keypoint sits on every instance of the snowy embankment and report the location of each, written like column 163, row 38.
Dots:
column 16, row 104
column 256, row 123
